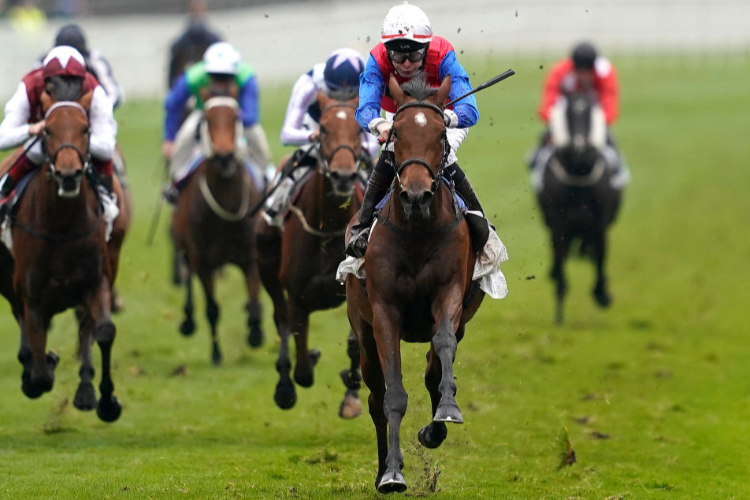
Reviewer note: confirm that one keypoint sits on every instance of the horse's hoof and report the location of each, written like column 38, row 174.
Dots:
column 433, row 435
column 85, row 399
column 216, row 356
column 285, row 396
column 392, row 482
column 52, row 359
column 351, row 407
column 255, row 337
column 314, row 356
column 187, row 327
column 603, row 299
column 448, row 413
column 109, row 409
column 31, row 390
column 304, row 379
column 118, row 304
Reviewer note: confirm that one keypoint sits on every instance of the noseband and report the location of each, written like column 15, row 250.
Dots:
column 84, row 156
column 435, row 175
column 325, row 161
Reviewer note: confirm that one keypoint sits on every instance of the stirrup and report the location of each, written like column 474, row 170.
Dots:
column 358, row 240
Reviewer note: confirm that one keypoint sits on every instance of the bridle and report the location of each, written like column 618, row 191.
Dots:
column 435, row 175
column 84, row 156
column 324, row 161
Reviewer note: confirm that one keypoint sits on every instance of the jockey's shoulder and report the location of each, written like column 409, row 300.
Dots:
column 603, row 67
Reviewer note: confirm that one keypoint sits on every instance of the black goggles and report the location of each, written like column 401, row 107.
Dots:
column 400, row 57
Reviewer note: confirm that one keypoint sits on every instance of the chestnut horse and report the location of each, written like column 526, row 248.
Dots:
column 210, row 226
column 419, row 266
column 298, row 265
column 61, row 257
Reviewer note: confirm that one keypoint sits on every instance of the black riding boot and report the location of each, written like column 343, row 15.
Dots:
column 463, row 187
column 377, row 187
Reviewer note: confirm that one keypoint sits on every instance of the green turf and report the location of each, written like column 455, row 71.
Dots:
column 663, row 375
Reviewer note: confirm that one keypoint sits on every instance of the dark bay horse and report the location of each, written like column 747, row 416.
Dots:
column 61, row 258
column 298, row 266
column 419, row 265
column 577, row 198
column 210, row 226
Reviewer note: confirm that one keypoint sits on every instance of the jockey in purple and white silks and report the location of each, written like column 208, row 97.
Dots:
column 338, row 77
column 408, row 49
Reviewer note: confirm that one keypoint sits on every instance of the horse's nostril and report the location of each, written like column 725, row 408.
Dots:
column 426, row 198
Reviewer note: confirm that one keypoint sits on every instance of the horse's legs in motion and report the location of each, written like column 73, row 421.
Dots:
column 394, row 401
column 351, row 406
column 601, row 295
column 85, row 398
column 444, row 345
column 306, row 359
column 560, row 244
column 187, row 327
column 212, row 310
column 42, row 373
column 109, row 408
column 253, row 307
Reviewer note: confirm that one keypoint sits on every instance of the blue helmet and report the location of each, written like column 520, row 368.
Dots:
column 343, row 68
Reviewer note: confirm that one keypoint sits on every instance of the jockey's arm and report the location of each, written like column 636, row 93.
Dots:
column 466, row 108
column 103, row 72
column 551, row 91
column 608, row 89
column 174, row 106
column 371, row 88
column 14, row 129
column 304, row 94
column 249, row 103
column 103, row 125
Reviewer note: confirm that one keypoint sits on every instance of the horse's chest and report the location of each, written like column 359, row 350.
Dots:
column 65, row 277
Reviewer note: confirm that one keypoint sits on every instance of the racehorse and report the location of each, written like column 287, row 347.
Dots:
column 418, row 264
column 577, row 197
column 298, row 266
column 210, row 225
column 61, row 257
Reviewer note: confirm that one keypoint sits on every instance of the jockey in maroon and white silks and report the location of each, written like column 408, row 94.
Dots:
column 24, row 118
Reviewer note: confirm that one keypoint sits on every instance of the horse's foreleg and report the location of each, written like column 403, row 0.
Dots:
column 387, row 328
column 187, row 327
column 351, row 406
column 109, row 408
column 306, row 359
column 285, row 395
column 254, row 309
column 212, row 311
column 433, row 434
column 447, row 313
column 85, row 398
column 42, row 374
column 600, row 292
column 24, row 352
column 560, row 245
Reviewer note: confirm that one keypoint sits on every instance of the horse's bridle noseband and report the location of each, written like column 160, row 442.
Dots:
column 434, row 174
column 325, row 161
column 85, row 157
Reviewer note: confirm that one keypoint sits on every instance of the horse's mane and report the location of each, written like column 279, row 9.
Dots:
column 65, row 88
column 418, row 88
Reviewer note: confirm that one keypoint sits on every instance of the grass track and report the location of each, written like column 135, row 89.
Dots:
column 663, row 374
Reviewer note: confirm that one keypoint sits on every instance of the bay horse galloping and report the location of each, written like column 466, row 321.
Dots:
column 61, row 257
column 576, row 192
column 210, row 225
column 298, row 266
column 419, row 265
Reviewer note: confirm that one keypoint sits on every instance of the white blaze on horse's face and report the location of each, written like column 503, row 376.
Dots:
column 420, row 119
column 341, row 115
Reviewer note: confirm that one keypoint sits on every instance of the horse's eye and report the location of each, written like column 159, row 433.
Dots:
column 322, row 131
column 86, row 131
column 47, row 131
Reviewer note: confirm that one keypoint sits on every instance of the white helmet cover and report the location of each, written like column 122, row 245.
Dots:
column 222, row 58
column 407, row 23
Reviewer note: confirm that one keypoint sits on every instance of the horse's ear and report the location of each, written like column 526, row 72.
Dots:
column 443, row 91
column 85, row 101
column 396, row 93
column 323, row 99
column 45, row 100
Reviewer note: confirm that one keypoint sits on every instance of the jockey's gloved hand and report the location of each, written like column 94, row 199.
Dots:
column 451, row 118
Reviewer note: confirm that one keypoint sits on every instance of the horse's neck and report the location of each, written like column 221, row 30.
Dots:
column 51, row 210
column 227, row 190
column 441, row 211
column 326, row 210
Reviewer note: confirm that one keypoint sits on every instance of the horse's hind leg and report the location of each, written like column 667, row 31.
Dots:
column 253, row 307
column 600, row 292
column 108, row 409
column 85, row 398
column 212, row 312
column 351, row 406
column 560, row 244
column 42, row 374
column 187, row 327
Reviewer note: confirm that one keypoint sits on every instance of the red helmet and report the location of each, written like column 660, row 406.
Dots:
column 64, row 61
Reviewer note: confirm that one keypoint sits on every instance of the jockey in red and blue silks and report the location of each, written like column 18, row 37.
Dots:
column 408, row 49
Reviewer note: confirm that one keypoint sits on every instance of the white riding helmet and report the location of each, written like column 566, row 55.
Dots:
column 222, row 58
column 406, row 28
